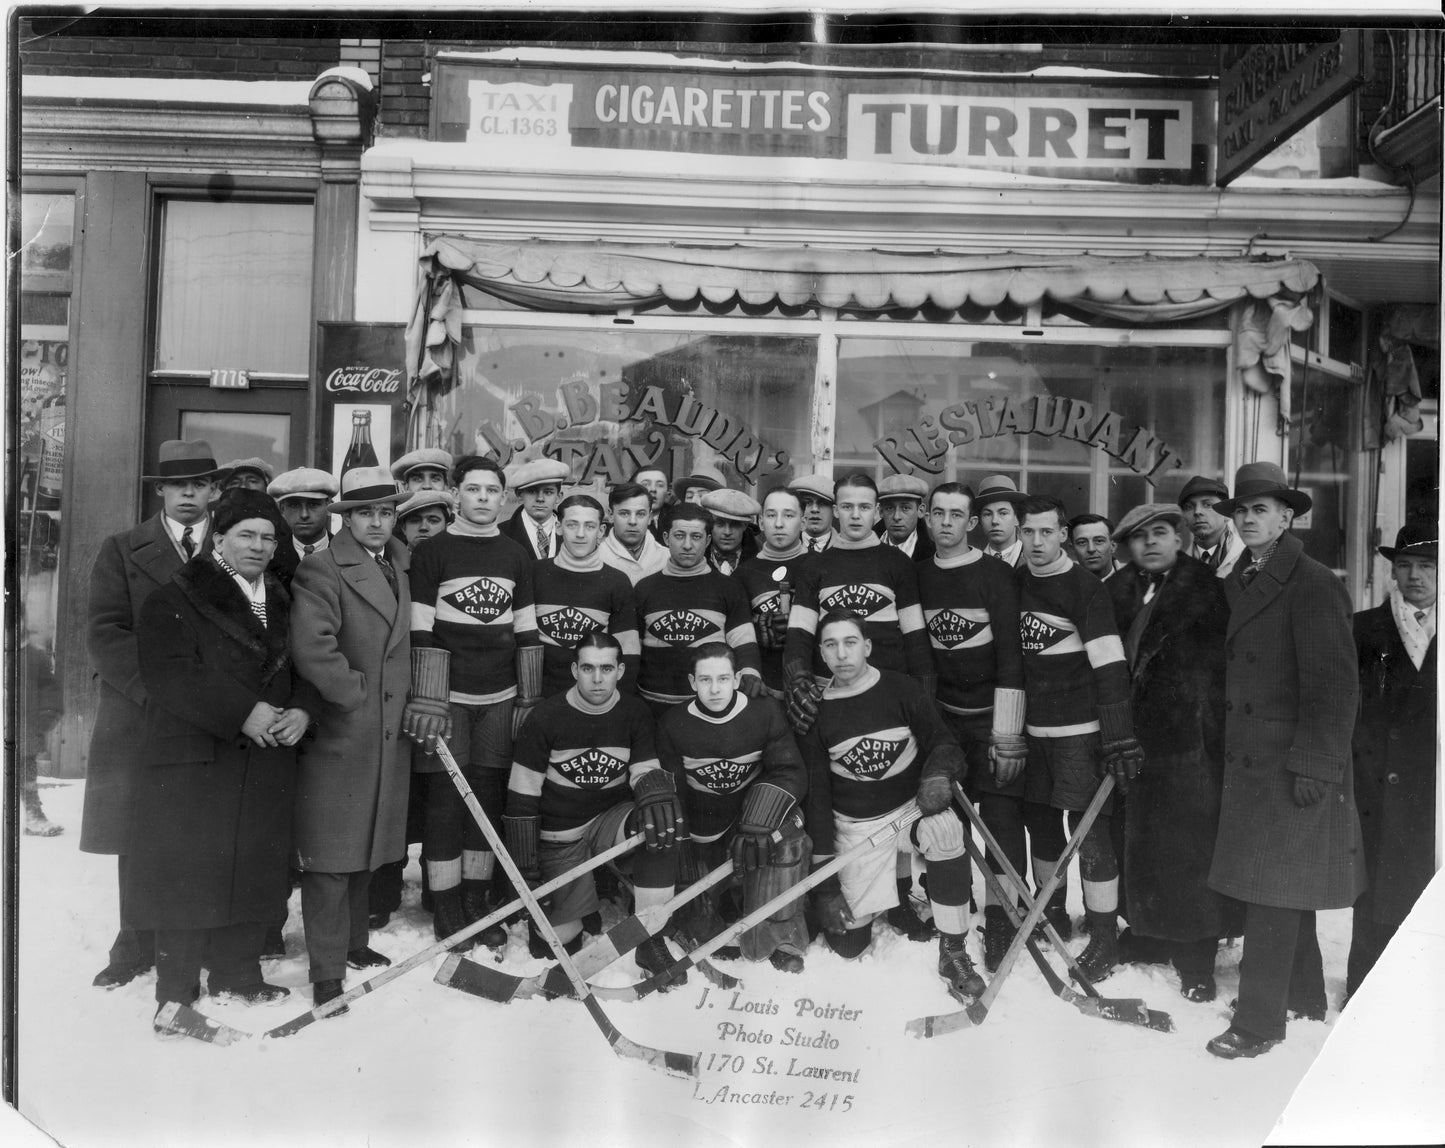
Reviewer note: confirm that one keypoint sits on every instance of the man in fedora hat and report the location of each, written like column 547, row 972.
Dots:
column 1215, row 542
column 1289, row 837
column 1394, row 745
column 997, row 506
column 351, row 638
column 702, row 479
column 304, row 495
column 129, row 566
column 815, row 492
column 900, row 502
column 534, row 526
column 427, row 468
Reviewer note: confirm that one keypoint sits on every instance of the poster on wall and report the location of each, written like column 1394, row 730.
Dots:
column 361, row 420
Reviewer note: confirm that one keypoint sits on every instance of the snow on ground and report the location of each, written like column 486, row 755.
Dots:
column 419, row 1063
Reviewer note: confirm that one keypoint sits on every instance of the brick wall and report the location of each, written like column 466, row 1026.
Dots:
column 198, row 57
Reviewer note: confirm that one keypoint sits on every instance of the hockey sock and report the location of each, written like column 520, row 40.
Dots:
column 444, row 875
column 1101, row 896
column 948, row 893
column 1096, row 855
column 477, row 865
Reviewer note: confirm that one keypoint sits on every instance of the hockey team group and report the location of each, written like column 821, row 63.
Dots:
column 754, row 726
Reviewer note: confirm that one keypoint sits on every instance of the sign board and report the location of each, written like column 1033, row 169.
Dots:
column 1107, row 128
column 230, row 379
column 1268, row 91
column 362, row 393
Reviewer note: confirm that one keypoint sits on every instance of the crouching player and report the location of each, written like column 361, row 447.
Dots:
column 877, row 747
column 742, row 779
column 584, row 777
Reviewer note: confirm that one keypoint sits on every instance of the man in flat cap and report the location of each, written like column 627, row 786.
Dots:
column 732, row 513
column 534, row 526
column 427, row 468
column 250, row 473
column 900, row 503
column 1289, row 836
column 1394, row 745
column 1215, row 541
column 424, row 514
column 815, row 492
column 997, row 505
column 129, row 566
column 304, row 496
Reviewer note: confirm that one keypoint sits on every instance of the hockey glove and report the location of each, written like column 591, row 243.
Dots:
column 659, row 808
column 803, row 694
column 522, row 835
column 831, row 907
column 935, row 791
column 424, row 720
column 763, row 811
column 529, row 685
column 1308, row 791
column 427, row 715
column 940, row 836
column 1008, row 754
column 1123, row 759
column 751, row 685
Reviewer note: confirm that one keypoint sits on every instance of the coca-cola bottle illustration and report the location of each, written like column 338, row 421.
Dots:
column 51, row 482
column 360, row 452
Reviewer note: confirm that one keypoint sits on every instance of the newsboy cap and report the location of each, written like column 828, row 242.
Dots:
column 902, row 486
column 1202, row 484
column 813, row 486
column 428, row 456
column 538, row 472
column 425, row 498
column 732, row 504
column 259, row 465
column 1142, row 516
column 303, row 482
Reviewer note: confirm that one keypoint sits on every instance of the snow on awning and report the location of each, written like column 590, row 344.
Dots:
column 594, row 278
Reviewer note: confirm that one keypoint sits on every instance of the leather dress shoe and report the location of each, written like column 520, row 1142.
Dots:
column 1232, row 1044
column 366, row 958
column 258, row 993
column 378, row 920
column 113, row 976
column 323, row 991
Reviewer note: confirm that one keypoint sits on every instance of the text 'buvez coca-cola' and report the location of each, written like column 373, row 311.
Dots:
column 364, row 380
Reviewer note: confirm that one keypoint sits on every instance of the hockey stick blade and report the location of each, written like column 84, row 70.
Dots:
column 709, row 970
column 176, row 1019
column 676, row 1063
column 320, row 1012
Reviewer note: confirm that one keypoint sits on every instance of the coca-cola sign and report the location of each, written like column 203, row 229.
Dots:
column 357, row 380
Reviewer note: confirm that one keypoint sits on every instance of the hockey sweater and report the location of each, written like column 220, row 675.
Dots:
column 471, row 594
column 764, row 599
column 876, row 582
column 1073, row 658
column 866, row 749
column 573, row 601
column 679, row 610
column 573, row 761
column 971, row 610
column 715, row 757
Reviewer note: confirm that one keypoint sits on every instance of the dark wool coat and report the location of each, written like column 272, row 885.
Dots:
column 1291, row 691
column 351, row 639
column 1394, row 748
column 211, row 823
column 128, row 568
column 1172, row 810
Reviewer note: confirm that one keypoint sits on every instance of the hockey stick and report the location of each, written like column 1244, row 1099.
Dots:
column 977, row 1013
column 677, row 1063
column 1091, row 1002
column 762, row 912
column 495, row 985
column 296, row 1024
column 177, row 1019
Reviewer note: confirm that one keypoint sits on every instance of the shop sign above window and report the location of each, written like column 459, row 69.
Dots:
column 1148, row 130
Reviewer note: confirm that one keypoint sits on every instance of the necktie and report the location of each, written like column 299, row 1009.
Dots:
column 1216, row 556
column 309, row 549
column 188, row 544
column 542, row 542
column 1420, row 617
column 1246, row 576
column 813, row 543
column 388, row 571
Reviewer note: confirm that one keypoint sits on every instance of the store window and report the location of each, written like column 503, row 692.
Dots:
column 1325, row 461
column 610, row 402
column 1102, row 427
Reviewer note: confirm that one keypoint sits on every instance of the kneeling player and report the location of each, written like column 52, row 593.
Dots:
column 877, row 747
column 741, row 777
column 584, row 777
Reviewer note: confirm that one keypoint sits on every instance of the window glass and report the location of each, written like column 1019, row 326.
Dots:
column 1325, row 413
column 242, row 434
column 609, row 403
column 235, row 287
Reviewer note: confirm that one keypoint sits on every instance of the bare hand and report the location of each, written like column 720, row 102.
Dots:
column 258, row 723
column 288, row 728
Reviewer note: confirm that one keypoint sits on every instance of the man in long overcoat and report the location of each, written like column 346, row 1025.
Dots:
column 210, row 831
column 1172, row 613
column 1289, row 837
column 128, row 568
column 1394, row 746
column 351, row 637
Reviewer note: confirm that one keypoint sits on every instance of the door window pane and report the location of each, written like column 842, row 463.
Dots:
column 1326, row 410
column 240, row 434
column 235, row 287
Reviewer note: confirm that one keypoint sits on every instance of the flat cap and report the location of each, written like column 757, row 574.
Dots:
column 815, row 486
column 1142, row 516
column 303, row 482
column 902, row 486
column 1202, row 484
column 259, row 465
column 536, row 473
column 727, row 503
column 430, row 456
column 424, row 498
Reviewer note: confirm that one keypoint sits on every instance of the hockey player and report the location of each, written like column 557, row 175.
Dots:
column 742, row 780
column 770, row 578
column 1076, row 684
column 877, row 747
column 471, row 595
column 576, row 594
column 584, row 777
column 860, row 575
column 685, row 604
column 971, row 608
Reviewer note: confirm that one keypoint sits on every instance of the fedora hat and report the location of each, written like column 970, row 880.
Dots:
column 180, row 459
column 704, row 475
column 1202, row 484
column 1257, row 479
column 998, row 488
column 367, row 486
column 1415, row 540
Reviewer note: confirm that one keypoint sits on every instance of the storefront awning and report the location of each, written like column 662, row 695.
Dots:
column 610, row 277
